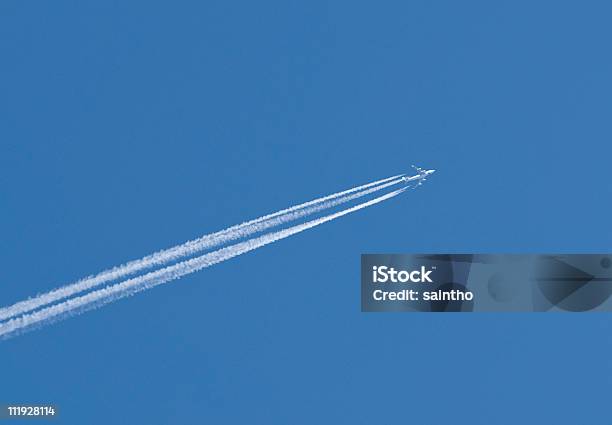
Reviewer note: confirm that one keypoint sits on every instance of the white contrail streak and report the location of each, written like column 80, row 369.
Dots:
column 198, row 245
column 110, row 293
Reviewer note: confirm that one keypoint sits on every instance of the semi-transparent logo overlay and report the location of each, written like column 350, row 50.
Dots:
column 486, row 282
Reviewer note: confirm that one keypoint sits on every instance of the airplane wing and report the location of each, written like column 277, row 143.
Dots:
column 418, row 169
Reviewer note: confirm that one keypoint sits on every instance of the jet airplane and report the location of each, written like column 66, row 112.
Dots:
column 420, row 177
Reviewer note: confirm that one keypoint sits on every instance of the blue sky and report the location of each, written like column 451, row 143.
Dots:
column 127, row 127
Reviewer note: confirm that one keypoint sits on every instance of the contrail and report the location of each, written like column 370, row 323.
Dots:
column 199, row 245
column 128, row 287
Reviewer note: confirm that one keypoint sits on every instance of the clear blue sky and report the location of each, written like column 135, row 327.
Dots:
column 126, row 127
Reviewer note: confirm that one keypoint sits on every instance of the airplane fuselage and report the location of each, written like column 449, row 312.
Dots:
column 421, row 176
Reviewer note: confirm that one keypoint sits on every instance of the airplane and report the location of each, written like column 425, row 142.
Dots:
column 421, row 177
